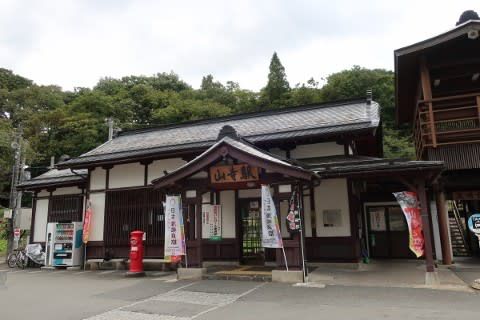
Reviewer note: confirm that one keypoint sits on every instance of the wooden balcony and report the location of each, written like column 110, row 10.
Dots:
column 446, row 121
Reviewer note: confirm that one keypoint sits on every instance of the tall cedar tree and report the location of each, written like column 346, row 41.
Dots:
column 277, row 86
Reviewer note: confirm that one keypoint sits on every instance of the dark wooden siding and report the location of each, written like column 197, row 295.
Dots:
column 456, row 157
column 129, row 210
column 65, row 208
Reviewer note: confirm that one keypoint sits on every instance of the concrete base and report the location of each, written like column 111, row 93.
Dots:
column 432, row 279
column 47, row 268
column 190, row 273
column 76, row 268
column 287, row 276
column 129, row 274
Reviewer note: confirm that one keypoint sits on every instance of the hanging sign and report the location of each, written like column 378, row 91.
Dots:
column 174, row 233
column 233, row 173
column 293, row 216
column 212, row 222
column 271, row 237
column 474, row 223
column 409, row 203
column 87, row 220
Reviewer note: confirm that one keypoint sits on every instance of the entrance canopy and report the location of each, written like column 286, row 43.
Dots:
column 234, row 147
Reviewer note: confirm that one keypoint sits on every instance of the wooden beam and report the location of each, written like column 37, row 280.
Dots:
column 443, row 226
column 478, row 107
column 422, row 196
column 427, row 95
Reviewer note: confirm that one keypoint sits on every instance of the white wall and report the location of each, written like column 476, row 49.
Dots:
column 98, row 206
column 67, row 190
column 98, row 179
column 332, row 194
column 41, row 215
column 127, row 175
column 43, row 193
column 156, row 168
column 227, row 201
column 307, row 212
column 323, row 149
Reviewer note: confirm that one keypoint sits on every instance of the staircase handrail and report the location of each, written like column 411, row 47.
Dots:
column 456, row 214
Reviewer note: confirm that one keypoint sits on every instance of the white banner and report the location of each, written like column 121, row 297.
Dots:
column 212, row 221
column 271, row 237
column 174, row 233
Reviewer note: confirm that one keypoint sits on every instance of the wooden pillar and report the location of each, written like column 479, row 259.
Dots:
column 427, row 96
column 198, row 227
column 422, row 195
column 443, row 227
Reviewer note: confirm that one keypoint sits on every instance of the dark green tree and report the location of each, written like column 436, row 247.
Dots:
column 276, row 91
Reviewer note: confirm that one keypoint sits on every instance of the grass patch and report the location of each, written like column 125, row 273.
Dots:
column 3, row 246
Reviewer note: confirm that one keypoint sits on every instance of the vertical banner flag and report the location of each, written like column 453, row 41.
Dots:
column 87, row 220
column 409, row 203
column 271, row 237
column 293, row 216
column 174, row 233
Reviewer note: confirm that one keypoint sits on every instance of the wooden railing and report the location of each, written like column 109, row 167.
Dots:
column 446, row 121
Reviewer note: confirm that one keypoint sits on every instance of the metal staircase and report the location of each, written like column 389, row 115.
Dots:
column 457, row 231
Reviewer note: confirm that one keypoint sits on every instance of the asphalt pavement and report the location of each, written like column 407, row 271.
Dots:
column 105, row 295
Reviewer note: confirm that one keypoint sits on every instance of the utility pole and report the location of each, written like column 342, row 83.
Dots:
column 15, row 196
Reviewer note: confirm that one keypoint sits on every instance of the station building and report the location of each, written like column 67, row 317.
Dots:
column 330, row 152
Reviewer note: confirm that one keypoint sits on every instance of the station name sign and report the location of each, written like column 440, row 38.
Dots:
column 233, row 173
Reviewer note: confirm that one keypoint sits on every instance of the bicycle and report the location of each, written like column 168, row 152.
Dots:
column 17, row 258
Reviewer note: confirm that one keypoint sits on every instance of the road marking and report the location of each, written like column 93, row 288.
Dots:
column 32, row 272
column 230, row 302
column 103, row 315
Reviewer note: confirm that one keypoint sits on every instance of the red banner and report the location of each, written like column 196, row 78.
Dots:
column 86, row 222
column 409, row 203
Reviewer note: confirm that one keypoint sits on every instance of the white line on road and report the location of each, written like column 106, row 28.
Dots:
column 99, row 316
column 16, row 271
column 226, row 304
column 32, row 272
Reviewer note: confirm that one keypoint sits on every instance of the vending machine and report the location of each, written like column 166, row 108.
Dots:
column 66, row 244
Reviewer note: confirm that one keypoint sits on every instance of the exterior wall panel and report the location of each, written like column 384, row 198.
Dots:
column 227, row 200
column 127, row 175
column 98, row 179
column 98, row 207
column 156, row 168
column 41, row 216
column 332, row 194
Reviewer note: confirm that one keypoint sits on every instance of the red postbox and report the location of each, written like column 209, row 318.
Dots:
column 136, row 254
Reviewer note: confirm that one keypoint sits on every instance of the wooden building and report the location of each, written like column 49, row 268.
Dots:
column 331, row 152
column 438, row 94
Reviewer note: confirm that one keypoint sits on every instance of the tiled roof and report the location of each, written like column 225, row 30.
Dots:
column 314, row 120
column 237, row 144
column 55, row 177
column 336, row 166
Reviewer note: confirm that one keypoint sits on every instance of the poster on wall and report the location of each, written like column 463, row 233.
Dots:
column 409, row 203
column 212, row 221
column 377, row 219
column 174, row 232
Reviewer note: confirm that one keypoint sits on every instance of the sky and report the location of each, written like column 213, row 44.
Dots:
column 74, row 43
